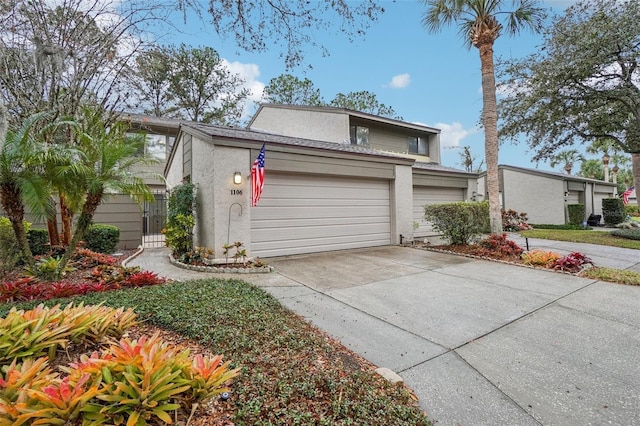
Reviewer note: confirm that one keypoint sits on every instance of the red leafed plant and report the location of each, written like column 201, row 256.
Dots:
column 573, row 262
column 144, row 278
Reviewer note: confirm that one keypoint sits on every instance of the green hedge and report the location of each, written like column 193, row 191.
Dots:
column 629, row 234
column 459, row 223
column 102, row 238
column 576, row 214
column 38, row 241
column 613, row 211
column 567, row 226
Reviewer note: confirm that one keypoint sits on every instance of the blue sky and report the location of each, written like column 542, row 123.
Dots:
column 427, row 78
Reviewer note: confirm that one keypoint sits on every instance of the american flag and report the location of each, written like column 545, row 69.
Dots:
column 257, row 177
column 626, row 194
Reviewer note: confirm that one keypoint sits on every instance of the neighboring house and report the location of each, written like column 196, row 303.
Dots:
column 543, row 195
column 320, row 193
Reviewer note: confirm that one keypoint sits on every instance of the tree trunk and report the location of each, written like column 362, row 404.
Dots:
column 52, row 227
column 67, row 220
column 86, row 216
column 12, row 205
column 635, row 170
column 490, row 124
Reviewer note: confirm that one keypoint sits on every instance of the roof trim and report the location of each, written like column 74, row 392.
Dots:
column 550, row 174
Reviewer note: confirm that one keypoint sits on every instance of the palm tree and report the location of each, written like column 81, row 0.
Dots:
column 479, row 27
column 566, row 157
column 105, row 166
column 21, row 180
column 605, row 146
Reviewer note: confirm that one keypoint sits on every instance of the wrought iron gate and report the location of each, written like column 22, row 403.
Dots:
column 154, row 219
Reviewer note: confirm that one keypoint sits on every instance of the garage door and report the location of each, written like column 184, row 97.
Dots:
column 310, row 213
column 423, row 195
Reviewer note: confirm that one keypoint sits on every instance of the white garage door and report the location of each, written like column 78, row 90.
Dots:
column 423, row 195
column 310, row 213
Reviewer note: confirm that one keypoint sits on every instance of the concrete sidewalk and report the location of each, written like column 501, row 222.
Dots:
column 480, row 343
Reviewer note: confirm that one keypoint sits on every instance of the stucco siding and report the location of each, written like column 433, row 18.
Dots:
column 541, row 198
column 316, row 125
column 173, row 174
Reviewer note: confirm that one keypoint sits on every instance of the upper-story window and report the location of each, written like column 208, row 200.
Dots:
column 359, row 135
column 155, row 146
column 418, row 145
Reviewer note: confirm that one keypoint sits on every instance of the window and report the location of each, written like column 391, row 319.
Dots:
column 155, row 146
column 359, row 135
column 418, row 145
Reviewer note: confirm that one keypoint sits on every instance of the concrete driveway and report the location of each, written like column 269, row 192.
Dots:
column 481, row 343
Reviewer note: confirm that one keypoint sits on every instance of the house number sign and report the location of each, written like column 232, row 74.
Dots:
column 236, row 192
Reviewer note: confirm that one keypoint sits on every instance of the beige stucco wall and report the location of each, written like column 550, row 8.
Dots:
column 174, row 173
column 316, row 125
column 541, row 198
column 223, row 208
column 402, row 204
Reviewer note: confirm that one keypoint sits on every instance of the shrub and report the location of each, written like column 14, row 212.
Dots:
column 38, row 241
column 102, row 238
column 630, row 234
column 513, row 221
column 500, row 246
column 631, row 210
column 576, row 213
column 539, row 257
column 180, row 219
column 46, row 269
column 9, row 251
column 573, row 262
column 460, row 223
column 181, row 200
column 179, row 234
column 612, row 211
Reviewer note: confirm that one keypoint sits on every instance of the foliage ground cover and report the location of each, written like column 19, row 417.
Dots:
column 591, row 237
column 291, row 373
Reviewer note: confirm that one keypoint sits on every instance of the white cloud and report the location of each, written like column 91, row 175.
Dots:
column 452, row 134
column 399, row 81
column 249, row 73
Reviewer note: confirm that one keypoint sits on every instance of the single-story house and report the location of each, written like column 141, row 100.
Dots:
column 544, row 195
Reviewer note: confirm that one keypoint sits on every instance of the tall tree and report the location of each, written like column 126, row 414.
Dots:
column 566, row 159
column 480, row 27
column 583, row 86
column 364, row 101
column 290, row 90
column 55, row 56
column 150, row 84
column 293, row 25
column 203, row 87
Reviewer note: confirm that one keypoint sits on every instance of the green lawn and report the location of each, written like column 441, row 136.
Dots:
column 582, row 236
column 291, row 372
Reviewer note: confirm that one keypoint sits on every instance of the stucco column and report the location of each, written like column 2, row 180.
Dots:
column 231, row 201
column 402, row 204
